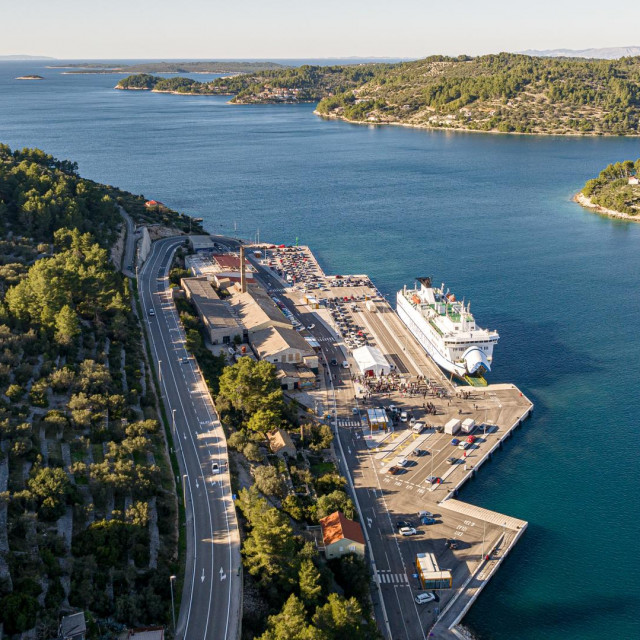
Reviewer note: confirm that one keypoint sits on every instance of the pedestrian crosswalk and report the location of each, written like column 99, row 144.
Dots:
column 278, row 290
column 386, row 577
column 326, row 339
column 349, row 423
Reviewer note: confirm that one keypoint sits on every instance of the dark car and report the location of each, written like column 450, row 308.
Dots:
column 427, row 520
column 451, row 543
column 334, row 362
column 393, row 470
column 440, row 429
column 403, row 523
column 452, row 460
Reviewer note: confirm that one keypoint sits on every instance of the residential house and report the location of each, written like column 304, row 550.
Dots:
column 341, row 536
column 73, row 627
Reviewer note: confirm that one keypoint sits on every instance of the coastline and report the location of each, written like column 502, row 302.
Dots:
column 586, row 203
column 462, row 130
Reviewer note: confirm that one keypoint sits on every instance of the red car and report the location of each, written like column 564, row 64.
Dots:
column 471, row 439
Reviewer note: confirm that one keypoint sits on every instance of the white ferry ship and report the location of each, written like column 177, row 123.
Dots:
column 446, row 329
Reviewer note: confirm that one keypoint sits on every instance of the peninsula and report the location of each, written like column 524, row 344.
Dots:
column 506, row 93
column 615, row 192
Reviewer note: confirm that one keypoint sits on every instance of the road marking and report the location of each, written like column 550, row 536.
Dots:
column 369, row 522
column 202, row 576
column 223, row 575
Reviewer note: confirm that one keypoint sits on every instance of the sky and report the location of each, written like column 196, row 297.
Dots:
column 271, row 29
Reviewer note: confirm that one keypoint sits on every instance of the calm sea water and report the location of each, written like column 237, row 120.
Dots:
column 489, row 215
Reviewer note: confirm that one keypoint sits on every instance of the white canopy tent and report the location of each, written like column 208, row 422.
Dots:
column 371, row 362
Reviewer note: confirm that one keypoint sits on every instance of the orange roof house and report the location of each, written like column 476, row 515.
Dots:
column 341, row 536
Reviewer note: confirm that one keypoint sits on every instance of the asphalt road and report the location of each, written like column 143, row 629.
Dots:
column 130, row 245
column 211, row 596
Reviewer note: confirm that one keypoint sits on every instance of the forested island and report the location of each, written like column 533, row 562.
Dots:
column 615, row 192
column 508, row 93
column 30, row 77
column 171, row 67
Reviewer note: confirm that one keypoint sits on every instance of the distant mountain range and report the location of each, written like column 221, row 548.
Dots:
column 20, row 56
column 607, row 53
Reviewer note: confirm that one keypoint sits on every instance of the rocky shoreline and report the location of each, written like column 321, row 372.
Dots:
column 431, row 127
column 585, row 202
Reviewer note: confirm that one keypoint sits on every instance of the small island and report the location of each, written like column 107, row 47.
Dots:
column 30, row 77
column 615, row 192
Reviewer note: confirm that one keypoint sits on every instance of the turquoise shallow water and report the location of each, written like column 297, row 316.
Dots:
column 492, row 217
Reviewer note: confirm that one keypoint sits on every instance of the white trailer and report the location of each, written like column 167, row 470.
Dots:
column 371, row 306
column 452, row 427
column 468, row 425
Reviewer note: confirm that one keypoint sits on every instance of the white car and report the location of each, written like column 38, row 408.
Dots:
column 402, row 461
column 404, row 416
column 407, row 531
column 311, row 326
column 152, row 312
column 215, row 469
column 423, row 598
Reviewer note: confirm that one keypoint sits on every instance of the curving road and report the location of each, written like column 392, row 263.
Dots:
column 211, row 595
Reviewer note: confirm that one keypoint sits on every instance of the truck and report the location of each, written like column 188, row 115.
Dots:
column 371, row 306
column 468, row 425
column 452, row 427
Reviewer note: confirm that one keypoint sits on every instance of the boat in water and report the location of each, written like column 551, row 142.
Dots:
column 446, row 329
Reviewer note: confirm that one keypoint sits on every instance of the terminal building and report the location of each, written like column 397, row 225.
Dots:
column 371, row 362
column 429, row 573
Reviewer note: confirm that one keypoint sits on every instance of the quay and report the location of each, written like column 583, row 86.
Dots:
column 341, row 314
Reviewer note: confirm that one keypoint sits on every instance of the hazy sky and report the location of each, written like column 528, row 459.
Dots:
column 209, row 29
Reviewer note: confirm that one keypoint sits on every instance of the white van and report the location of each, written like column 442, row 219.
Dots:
column 417, row 427
column 464, row 445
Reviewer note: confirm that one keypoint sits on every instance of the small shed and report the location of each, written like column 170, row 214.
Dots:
column 73, row 627
column 371, row 362
column 280, row 442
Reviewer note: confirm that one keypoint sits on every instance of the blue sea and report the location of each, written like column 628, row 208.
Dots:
column 492, row 217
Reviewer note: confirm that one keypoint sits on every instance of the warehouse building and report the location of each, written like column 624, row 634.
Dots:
column 217, row 318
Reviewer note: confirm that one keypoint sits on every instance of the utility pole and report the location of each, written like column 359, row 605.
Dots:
column 173, row 606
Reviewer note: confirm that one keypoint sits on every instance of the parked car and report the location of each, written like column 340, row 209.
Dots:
column 425, row 514
column 407, row 531
column 400, row 524
column 402, row 461
column 432, row 480
column 355, row 411
column 423, row 598
column 404, row 416
column 393, row 470
column 419, row 452
column 471, row 439
column 427, row 520
column 451, row 543
column 215, row 468
column 452, row 460
column 440, row 429
column 311, row 326
column 455, row 442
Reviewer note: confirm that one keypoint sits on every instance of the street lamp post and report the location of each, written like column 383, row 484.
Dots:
column 173, row 606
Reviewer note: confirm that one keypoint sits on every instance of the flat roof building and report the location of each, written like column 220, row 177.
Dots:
column 200, row 244
column 256, row 310
column 215, row 314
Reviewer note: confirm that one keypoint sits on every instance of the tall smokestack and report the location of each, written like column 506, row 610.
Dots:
column 243, row 275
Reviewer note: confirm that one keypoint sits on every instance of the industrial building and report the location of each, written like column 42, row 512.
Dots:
column 221, row 326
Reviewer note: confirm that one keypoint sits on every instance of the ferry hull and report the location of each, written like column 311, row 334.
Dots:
column 429, row 347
